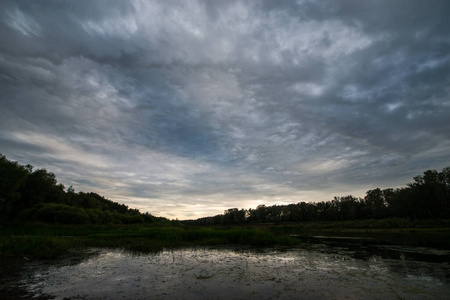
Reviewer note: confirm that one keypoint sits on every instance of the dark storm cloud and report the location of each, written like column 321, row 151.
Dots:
column 186, row 108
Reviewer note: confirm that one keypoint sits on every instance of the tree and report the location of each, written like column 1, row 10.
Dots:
column 375, row 204
column 39, row 186
column 444, row 180
column 12, row 176
column 430, row 194
column 233, row 216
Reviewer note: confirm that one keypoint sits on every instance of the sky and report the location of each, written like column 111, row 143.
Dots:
column 186, row 108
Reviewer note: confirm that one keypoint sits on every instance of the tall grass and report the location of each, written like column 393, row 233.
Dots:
column 47, row 241
column 37, row 246
column 393, row 231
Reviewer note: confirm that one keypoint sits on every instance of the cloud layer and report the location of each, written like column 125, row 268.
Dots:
column 187, row 108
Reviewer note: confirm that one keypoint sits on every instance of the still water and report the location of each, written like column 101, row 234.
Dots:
column 313, row 271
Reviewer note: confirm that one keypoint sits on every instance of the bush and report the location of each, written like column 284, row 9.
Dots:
column 132, row 219
column 61, row 214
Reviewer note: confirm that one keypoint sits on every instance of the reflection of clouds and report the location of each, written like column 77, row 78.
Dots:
column 236, row 273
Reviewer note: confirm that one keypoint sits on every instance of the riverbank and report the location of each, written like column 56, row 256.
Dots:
column 42, row 240
column 50, row 241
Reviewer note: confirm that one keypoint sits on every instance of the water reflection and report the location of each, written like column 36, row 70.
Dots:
column 315, row 271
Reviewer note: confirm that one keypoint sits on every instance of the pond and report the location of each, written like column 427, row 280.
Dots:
column 313, row 271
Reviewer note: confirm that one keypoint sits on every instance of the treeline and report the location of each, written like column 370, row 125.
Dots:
column 34, row 195
column 427, row 197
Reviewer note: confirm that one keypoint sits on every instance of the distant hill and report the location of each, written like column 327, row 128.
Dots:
column 34, row 195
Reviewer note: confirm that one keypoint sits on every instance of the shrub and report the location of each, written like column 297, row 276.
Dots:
column 61, row 214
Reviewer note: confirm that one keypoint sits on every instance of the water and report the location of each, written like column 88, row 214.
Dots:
column 313, row 271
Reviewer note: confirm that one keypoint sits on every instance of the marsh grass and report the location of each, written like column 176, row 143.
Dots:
column 396, row 231
column 37, row 246
column 49, row 241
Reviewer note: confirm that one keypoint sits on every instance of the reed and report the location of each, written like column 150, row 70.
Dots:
column 48, row 241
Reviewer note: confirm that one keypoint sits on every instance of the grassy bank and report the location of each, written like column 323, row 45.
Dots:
column 48, row 241
column 397, row 231
column 43, row 240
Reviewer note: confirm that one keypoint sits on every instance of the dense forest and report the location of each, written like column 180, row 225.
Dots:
column 34, row 195
column 427, row 197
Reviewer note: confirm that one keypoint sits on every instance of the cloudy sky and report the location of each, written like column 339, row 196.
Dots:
column 187, row 108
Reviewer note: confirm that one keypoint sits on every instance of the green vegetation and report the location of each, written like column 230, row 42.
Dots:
column 48, row 241
column 394, row 231
column 43, row 240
